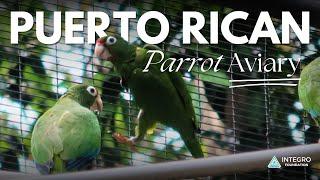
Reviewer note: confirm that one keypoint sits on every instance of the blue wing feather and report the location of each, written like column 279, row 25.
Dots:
column 70, row 165
column 82, row 161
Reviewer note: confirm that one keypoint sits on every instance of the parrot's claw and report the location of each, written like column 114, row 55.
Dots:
column 124, row 140
column 120, row 138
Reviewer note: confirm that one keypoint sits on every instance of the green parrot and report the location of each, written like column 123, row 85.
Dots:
column 161, row 96
column 68, row 137
column 309, row 90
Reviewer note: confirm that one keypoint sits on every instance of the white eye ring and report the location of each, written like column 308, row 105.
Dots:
column 91, row 90
column 111, row 40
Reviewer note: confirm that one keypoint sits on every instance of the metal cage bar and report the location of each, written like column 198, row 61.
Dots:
column 211, row 166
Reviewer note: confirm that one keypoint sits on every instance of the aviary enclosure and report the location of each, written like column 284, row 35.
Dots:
column 232, row 120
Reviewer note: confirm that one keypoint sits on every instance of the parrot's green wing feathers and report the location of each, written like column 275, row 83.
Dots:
column 79, row 138
column 45, row 138
column 181, row 88
column 178, row 83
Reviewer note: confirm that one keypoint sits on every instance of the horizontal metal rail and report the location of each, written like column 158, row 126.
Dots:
column 211, row 166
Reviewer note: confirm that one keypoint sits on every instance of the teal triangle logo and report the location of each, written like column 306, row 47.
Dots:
column 274, row 163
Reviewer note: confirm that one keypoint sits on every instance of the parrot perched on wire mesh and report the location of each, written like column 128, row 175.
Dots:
column 161, row 96
column 309, row 90
column 68, row 137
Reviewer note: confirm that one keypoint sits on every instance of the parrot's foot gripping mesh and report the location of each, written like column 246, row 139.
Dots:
column 124, row 140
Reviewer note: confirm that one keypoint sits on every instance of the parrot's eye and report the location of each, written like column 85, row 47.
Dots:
column 91, row 90
column 111, row 40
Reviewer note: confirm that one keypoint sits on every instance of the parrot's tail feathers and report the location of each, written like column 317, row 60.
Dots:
column 79, row 163
column 82, row 162
column 58, row 165
column 193, row 146
column 44, row 168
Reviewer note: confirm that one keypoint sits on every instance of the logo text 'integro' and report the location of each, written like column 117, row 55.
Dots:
column 290, row 161
column 296, row 161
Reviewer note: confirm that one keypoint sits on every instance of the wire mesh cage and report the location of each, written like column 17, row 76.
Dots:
column 232, row 120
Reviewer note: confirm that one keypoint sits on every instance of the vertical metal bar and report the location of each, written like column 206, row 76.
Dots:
column 97, row 159
column 163, row 50
column 233, row 104
column 92, row 46
column 303, row 117
column 198, row 90
column 266, row 101
column 20, row 101
column 129, row 112
column 57, row 63
column 198, row 87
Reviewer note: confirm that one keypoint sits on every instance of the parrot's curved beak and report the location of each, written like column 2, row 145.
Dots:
column 98, row 104
column 101, row 51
